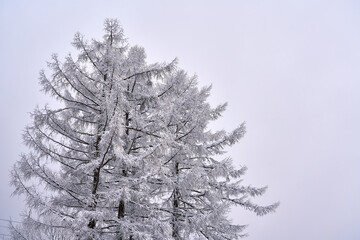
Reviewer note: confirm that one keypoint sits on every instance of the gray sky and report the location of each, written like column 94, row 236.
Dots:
column 290, row 69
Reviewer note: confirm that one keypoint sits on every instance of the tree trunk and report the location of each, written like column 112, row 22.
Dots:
column 176, row 195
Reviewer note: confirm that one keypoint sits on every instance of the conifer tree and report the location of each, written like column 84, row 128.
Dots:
column 129, row 154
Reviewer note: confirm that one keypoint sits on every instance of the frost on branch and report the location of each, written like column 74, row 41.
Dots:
column 128, row 155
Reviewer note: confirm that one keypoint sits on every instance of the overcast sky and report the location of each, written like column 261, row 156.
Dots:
column 290, row 69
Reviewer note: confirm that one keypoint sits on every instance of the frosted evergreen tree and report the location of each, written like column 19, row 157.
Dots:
column 129, row 155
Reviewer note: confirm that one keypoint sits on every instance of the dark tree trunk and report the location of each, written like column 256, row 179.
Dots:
column 175, row 220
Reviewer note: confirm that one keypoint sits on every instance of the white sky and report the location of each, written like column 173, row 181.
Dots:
column 290, row 69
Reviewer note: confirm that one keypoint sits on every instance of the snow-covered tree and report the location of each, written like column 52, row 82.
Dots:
column 49, row 229
column 129, row 154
